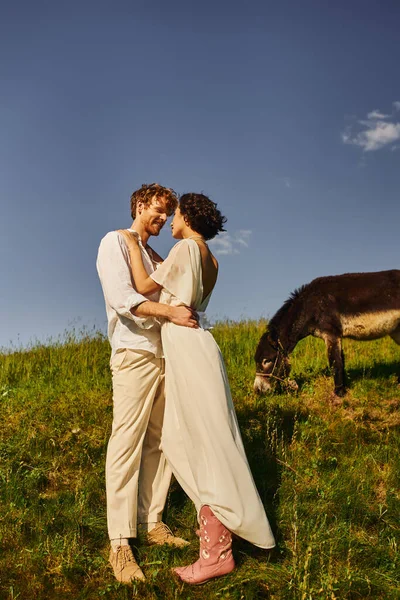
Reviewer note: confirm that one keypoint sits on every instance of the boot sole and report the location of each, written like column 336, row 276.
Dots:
column 206, row 580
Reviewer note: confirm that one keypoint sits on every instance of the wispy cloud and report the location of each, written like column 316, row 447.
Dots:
column 287, row 182
column 231, row 243
column 375, row 132
column 376, row 114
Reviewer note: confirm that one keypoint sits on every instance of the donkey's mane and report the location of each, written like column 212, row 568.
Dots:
column 280, row 314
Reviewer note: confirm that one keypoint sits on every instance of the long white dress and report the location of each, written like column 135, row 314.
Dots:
column 201, row 438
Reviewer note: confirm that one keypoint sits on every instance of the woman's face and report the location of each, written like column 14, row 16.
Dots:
column 178, row 225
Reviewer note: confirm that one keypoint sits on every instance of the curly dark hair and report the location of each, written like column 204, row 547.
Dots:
column 151, row 191
column 202, row 215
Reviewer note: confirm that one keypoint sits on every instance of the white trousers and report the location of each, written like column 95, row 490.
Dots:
column 137, row 473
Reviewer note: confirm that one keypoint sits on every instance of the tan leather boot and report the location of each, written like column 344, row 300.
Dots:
column 161, row 534
column 124, row 565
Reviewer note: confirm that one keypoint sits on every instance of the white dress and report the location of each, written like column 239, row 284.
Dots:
column 201, row 438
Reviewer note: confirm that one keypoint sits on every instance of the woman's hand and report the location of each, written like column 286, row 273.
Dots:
column 131, row 239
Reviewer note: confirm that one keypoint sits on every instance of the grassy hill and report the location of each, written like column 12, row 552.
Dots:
column 328, row 475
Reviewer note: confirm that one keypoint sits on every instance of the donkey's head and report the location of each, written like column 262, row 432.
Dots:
column 272, row 364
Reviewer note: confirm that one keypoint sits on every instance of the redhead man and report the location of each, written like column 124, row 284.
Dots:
column 137, row 475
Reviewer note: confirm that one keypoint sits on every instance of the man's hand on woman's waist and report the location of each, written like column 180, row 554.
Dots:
column 180, row 315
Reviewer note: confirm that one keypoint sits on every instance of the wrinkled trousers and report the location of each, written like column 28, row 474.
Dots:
column 137, row 474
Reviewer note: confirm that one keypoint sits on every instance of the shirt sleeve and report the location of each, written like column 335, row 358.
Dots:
column 115, row 276
column 176, row 273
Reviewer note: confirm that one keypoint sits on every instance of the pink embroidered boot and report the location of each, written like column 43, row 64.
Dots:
column 215, row 551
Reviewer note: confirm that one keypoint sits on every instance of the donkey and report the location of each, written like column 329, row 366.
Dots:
column 360, row 306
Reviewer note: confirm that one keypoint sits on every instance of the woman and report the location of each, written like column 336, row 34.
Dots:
column 201, row 438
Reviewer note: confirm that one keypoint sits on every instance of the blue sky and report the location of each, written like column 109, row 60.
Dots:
column 287, row 114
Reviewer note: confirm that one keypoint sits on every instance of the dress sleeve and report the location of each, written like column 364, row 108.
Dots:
column 176, row 274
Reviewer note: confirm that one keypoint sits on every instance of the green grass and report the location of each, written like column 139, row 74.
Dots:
column 328, row 476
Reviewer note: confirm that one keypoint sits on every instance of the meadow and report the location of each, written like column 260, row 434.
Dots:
column 328, row 475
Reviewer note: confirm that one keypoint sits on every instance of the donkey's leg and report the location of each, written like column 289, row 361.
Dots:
column 395, row 335
column 336, row 362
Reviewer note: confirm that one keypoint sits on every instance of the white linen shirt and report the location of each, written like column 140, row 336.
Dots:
column 126, row 330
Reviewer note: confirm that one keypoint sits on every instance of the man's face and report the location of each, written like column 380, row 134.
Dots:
column 154, row 216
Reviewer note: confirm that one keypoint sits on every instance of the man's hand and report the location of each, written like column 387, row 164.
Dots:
column 184, row 316
column 180, row 315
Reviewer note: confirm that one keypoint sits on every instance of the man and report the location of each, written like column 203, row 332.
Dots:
column 137, row 475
